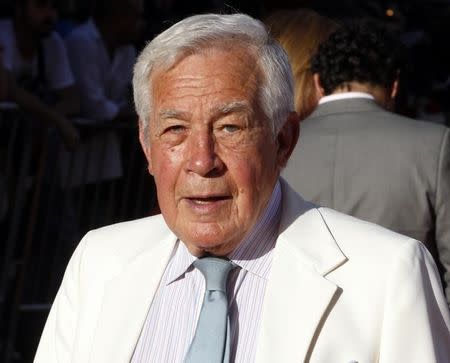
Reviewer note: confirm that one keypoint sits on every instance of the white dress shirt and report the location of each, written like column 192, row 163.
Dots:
column 172, row 317
column 345, row 95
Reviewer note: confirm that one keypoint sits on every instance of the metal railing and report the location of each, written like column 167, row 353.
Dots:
column 49, row 198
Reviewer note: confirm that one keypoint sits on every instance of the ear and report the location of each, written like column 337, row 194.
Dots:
column 145, row 144
column 287, row 138
column 394, row 89
column 320, row 92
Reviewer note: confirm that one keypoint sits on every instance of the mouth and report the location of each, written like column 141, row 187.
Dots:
column 208, row 200
column 206, row 207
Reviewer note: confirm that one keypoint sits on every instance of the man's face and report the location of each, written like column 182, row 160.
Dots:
column 40, row 15
column 211, row 150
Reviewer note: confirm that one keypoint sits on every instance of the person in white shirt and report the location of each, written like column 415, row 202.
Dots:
column 102, row 55
column 214, row 95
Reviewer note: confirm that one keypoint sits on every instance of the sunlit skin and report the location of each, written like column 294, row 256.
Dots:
column 211, row 150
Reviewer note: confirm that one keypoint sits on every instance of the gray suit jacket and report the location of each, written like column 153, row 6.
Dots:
column 360, row 159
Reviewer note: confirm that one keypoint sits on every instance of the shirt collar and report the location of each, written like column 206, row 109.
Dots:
column 180, row 263
column 345, row 95
column 254, row 253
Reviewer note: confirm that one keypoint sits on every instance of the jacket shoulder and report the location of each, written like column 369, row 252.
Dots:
column 418, row 127
column 374, row 116
column 358, row 237
column 338, row 221
column 126, row 240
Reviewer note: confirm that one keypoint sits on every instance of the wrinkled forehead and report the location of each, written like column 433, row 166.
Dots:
column 171, row 60
column 222, row 68
column 226, row 73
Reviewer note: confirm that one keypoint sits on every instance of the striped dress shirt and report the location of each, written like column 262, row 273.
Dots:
column 172, row 317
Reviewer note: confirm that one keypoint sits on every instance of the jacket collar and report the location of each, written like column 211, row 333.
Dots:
column 345, row 106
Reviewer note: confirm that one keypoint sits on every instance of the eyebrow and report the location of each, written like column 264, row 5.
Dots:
column 234, row 106
column 172, row 113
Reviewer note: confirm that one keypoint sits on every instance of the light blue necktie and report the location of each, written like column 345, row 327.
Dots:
column 211, row 343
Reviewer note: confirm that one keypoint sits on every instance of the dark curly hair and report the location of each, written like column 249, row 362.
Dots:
column 364, row 51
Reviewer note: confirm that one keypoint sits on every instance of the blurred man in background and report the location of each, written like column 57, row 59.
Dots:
column 359, row 158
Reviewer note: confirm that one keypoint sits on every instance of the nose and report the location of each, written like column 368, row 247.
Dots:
column 202, row 156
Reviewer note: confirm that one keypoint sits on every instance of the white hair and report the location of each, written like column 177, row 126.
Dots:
column 199, row 32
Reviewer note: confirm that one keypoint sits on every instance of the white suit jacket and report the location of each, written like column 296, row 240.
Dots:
column 340, row 290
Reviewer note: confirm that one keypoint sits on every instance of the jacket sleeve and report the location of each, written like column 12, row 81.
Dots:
column 416, row 320
column 58, row 336
column 443, row 211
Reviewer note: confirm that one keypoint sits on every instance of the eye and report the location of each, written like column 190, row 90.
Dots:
column 230, row 128
column 174, row 129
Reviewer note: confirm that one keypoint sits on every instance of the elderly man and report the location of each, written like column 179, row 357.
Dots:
column 238, row 268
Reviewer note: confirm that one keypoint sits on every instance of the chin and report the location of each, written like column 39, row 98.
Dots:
column 209, row 244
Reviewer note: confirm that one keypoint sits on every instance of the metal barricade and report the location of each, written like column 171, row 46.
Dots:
column 51, row 197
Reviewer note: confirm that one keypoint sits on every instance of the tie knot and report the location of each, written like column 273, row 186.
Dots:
column 215, row 270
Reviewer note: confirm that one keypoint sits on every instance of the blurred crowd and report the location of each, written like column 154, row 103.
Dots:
column 422, row 26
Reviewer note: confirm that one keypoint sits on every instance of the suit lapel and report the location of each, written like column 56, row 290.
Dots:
column 298, row 296
column 126, row 301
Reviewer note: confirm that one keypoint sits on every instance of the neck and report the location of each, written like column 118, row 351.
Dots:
column 381, row 94
column 354, row 87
